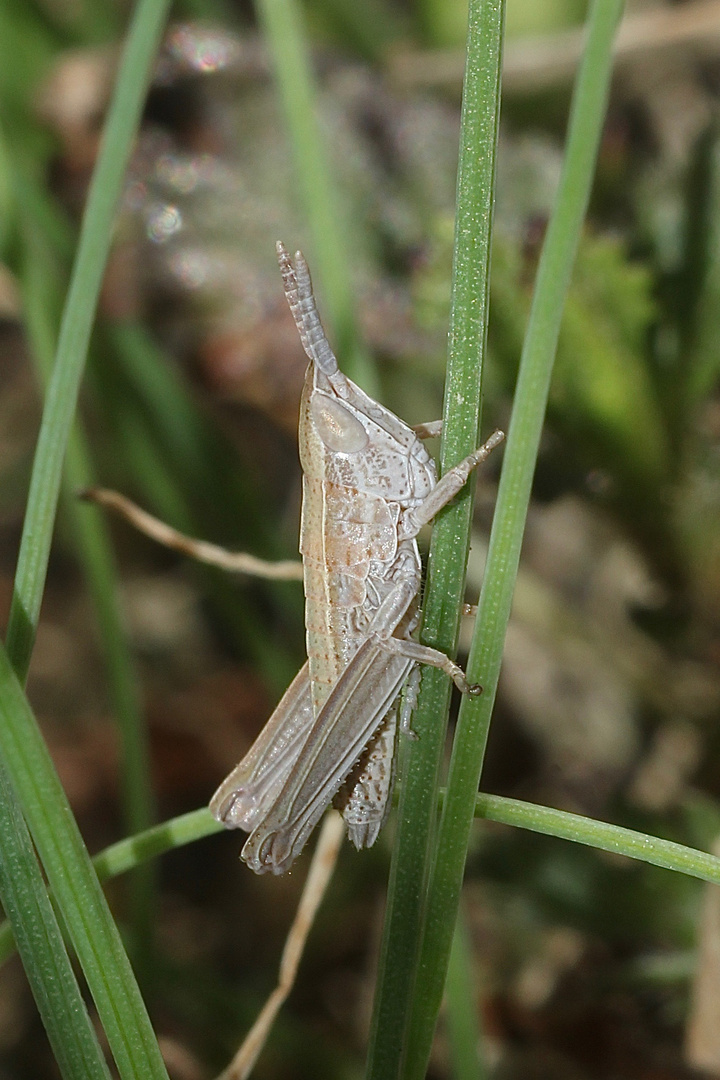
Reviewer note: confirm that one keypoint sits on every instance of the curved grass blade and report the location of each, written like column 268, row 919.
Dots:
column 38, row 789
column 41, row 292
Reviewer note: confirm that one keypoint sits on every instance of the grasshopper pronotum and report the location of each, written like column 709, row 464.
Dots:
column 369, row 485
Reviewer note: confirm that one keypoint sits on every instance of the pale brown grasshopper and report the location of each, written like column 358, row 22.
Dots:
column 369, row 485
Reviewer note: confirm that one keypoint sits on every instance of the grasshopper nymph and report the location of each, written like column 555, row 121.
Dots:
column 368, row 487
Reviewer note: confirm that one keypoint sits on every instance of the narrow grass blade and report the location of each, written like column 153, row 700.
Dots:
column 42, row 949
column 282, row 23
column 700, row 371
column 126, row 854
column 33, row 777
column 653, row 850
column 95, row 238
column 133, row 851
column 461, row 1008
column 586, row 121
column 450, row 541
column 41, row 292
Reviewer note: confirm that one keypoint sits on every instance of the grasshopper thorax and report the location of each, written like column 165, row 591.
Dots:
column 346, row 438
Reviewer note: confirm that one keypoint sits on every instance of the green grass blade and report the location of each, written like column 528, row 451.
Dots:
column 95, row 238
column 75, row 885
column 42, row 949
column 586, row 121
column 7, row 202
column 702, row 368
column 40, row 794
column 125, row 854
column 133, row 851
column 281, row 21
column 653, row 850
column 461, row 1009
column 450, row 541
column 129, row 853
column 40, row 288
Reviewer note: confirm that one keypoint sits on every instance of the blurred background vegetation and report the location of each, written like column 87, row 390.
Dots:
column 585, row 965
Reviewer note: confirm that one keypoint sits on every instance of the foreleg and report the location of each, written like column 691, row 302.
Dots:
column 446, row 488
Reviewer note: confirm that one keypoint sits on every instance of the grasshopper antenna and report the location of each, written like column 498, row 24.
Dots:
column 301, row 300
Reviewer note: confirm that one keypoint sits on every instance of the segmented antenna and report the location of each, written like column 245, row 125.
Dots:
column 300, row 297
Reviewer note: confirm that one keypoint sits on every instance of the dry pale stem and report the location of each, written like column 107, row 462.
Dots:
column 321, row 870
column 235, row 561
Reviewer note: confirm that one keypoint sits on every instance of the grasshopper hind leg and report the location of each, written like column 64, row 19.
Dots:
column 365, row 797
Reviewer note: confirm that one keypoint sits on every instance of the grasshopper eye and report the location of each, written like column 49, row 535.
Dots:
column 339, row 430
